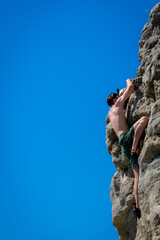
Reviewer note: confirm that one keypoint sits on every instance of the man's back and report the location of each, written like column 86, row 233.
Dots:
column 118, row 119
column 116, row 113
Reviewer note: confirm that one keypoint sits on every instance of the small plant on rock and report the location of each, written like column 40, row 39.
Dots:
column 149, row 19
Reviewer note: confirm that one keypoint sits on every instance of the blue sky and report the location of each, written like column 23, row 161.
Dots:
column 59, row 61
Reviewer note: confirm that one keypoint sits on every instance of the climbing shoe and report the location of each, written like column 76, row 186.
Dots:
column 137, row 212
column 137, row 150
column 134, row 155
column 133, row 159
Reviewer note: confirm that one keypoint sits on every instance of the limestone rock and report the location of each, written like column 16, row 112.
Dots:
column 145, row 100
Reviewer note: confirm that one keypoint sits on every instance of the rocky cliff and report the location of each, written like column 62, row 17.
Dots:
column 144, row 100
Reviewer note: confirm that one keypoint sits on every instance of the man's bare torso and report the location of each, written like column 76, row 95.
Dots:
column 118, row 119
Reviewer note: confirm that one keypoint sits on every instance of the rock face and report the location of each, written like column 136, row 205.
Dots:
column 144, row 100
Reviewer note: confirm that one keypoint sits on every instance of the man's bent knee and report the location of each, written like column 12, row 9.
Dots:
column 144, row 120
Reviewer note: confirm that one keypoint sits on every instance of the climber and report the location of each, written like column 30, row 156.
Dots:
column 128, row 138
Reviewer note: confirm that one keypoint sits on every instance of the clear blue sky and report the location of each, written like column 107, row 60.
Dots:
column 59, row 61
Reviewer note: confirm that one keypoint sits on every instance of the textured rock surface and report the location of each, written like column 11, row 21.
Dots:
column 144, row 100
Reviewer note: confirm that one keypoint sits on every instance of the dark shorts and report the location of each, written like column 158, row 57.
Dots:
column 126, row 141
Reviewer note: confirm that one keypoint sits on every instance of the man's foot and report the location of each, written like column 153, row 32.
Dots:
column 137, row 212
column 134, row 157
column 137, row 151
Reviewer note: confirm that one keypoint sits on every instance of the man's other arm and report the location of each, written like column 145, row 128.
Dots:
column 126, row 93
column 121, row 91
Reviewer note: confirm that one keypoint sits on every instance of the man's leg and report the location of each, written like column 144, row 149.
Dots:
column 139, row 127
column 137, row 210
column 136, row 180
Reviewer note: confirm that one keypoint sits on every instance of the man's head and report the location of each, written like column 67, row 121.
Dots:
column 111, row 99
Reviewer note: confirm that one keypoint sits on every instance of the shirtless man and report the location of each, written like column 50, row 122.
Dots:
column 128, row 138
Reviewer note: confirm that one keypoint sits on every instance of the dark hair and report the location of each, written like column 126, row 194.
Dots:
column 110, row 98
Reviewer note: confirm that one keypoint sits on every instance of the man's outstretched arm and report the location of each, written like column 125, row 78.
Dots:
column 126, row 92
column 129, row 83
